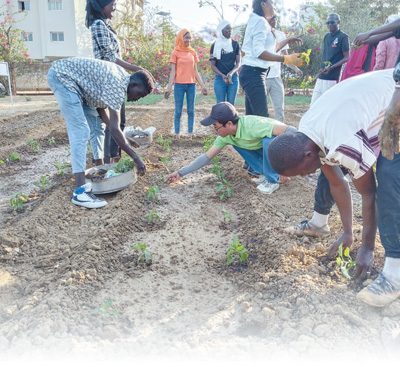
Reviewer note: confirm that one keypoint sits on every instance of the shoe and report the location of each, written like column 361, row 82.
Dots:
column 190, row 136
column 82, row 196
column 258, row 180
column 305, row 228
column 245, row 165
column 268, row 187
column 253, row 172
column 380, row 292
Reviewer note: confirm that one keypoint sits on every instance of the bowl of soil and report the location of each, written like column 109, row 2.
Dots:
column 111, row 177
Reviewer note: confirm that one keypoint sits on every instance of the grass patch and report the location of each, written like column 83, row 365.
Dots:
column 148, row 100
column 297, row 99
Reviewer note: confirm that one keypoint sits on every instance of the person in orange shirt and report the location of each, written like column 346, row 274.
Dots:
column 184, row 74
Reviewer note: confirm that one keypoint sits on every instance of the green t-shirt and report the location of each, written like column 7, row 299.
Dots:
column 250, row 131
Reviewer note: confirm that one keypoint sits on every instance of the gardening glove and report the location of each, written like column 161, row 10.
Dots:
column 293, row 59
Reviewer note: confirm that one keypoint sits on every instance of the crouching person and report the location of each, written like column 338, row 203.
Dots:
column 249, row 136
column 81, row 85
column 341, row 129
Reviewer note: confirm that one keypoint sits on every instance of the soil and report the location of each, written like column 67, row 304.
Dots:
column 71, row 286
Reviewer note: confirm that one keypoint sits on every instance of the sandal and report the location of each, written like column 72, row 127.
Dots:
column 305, row 228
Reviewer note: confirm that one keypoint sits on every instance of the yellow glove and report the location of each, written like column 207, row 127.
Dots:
column 293, row 59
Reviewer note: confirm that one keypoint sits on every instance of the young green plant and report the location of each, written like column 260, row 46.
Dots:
column 153, row 217
column 13, row 157
column 144, row 253
column 224, row 189
column 17, row 201
column 153, row 194
column 60, row 167
column 227, row 215
column 306, row 56
column 106, row 309
column 345, row 262
column 235, row 250
column 51, row 141
column 35, row 146
column 43, row 183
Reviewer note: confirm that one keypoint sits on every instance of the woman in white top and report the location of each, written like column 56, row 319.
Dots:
column 259, row 53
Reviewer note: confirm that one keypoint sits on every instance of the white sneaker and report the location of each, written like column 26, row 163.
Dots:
column 82, row 196
column 268, row 187
column 258, row 180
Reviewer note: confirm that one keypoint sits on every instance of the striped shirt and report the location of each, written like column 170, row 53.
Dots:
column 345, row 121
column 105, row 42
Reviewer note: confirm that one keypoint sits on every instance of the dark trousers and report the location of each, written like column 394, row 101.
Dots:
column 323, row 198
column 110, row 145
column 388, row 200
column 252, row 80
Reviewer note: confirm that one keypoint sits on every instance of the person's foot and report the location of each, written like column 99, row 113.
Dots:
column 258, row 180
column 268, row 187
column 190, row 136
column 253, row 172
column 82, row 196
column 177, row 136
column 380, row 292
column 284, row 179
column 306, row 228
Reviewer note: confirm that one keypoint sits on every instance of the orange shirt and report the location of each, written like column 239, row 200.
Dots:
column 184, row 63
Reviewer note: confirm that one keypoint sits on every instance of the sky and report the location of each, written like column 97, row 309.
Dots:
column 187, row 14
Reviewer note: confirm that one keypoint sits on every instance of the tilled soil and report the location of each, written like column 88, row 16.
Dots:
column 70, row 284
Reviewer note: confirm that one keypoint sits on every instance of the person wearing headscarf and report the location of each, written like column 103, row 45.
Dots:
column 184, row 74
column 225, row 62
column 106, row 47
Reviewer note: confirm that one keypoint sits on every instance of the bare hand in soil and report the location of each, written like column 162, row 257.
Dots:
column 345, row 239
column 132, row 143
column 140, row 167
column 174, row 176
column 364, row 263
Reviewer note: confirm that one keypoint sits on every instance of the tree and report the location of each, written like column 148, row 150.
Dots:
column 12, row 47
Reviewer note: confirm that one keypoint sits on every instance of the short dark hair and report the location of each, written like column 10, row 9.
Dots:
column 257, row 8
column 286, row 151
column 144, row 79
column 234, row 121
column 334, row 15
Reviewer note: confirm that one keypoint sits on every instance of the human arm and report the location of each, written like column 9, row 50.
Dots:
column 200, row 80
column 361, row 37
column 113, row 123
column 198, row 163
column 346, row 55
column 298, row 72
column 171, row 81
column 235, row 68
column 214, row 68
column 289, row 41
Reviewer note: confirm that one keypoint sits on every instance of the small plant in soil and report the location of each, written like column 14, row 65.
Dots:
column 224, row 189
column 14, row 157
column 165, row 142
column 17, row 202
column 154, row 194
column 106, row 309
column 43, row 183
column 144, row 254
column 346, row 264
column 125, row 164
column 227, row 215
column 153, row 217
column 1, row 162
column 51, row 141
column 235, row 250
column 60, row 167
column 35, row 146
column 208, row 142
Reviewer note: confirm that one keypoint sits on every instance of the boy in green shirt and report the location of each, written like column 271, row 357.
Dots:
column 249, row 135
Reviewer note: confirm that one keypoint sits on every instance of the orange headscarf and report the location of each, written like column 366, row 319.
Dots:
column 180, row 43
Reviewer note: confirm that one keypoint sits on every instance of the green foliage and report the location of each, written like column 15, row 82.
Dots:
column 344, row 261
column 235, row 250
column 227, row 215
column 51, row 141
column 153, row 217
column 1, row 162
column 17, row 201
column 13, row 157
column 306, row 56
column 43, row 183
column 153, row 194
column 165, row 143
column 60, row 167
column 208, row 142
column 106, row 309
column 35, row 146
column 124, row 165
column 224, row 189
column 144, row 254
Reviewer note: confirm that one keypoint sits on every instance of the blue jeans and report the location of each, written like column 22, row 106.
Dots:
column 252, row 80
column 226, row 92
column 97, row 127
column 388, row 200
column 72, row 109
column 110, row 145
column 179, row 94
column 258, row 159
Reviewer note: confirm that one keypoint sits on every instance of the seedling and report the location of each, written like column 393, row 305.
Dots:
column 1, row 162
column 51, row 141
column 124, row 165
column 306, row 56
column 165, row 142
column 227, row 215
column 327, row 64
column 344, row 261
column 236, row 250
column 17, row 202
column 153, row 217
column 225, row 189
column 14, row 157
column 35, row 146
column 153, row 194
column 43, row 183
column 144, row 254
column 60, row 167
column 208, row 142
column 106, row 309
column 165, row 161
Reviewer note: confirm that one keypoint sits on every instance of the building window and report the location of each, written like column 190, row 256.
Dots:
column 27, row 36
column 55, row 4
column 24, row 5
column 57, row 36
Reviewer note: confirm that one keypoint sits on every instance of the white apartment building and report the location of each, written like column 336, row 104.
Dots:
column 55, row 29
